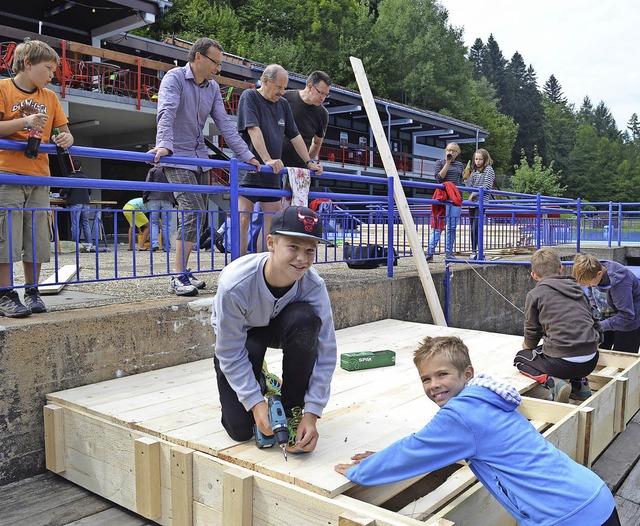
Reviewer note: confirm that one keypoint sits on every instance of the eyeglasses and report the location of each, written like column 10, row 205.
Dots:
column 219, row 64
column 321, row 93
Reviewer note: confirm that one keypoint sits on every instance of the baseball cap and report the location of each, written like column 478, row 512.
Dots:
column 298, row 221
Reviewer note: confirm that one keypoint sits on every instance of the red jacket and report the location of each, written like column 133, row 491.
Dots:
column 438, row 212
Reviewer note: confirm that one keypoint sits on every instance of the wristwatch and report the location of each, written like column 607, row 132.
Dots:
column 309, row 161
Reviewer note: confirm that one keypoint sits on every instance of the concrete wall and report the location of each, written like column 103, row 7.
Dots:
column 66, row 349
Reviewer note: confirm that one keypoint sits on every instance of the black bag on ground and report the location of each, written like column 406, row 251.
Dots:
column 367, row 256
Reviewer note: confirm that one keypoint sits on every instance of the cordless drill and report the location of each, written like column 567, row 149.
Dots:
column 278, row 421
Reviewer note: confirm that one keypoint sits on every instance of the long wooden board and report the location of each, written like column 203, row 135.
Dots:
column 398, row 192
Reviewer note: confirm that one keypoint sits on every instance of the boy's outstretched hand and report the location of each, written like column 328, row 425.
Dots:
column 357, row 458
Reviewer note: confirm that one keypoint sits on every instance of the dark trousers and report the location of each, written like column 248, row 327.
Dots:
column 295, row 330
column 625, row 341
column 613, row 519
column 537, row 365
column 474, row 221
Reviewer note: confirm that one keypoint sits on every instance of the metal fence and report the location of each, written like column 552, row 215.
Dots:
column 352, row 222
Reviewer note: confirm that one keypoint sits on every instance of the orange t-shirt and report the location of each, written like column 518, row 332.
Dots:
column 15, row 104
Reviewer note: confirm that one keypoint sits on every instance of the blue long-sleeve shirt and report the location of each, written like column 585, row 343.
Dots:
column 535, row 482
column 183, row 108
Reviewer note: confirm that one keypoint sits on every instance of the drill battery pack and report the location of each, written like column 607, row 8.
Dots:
column 354, row 361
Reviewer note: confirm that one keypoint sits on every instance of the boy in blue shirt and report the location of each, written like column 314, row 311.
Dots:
column 478, row 422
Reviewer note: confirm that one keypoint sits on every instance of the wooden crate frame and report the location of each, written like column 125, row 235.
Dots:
column 178, row 486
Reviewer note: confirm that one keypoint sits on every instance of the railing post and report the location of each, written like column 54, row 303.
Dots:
column 233, row 208
column 578, row 223
column 610, row 229
column 390, row 225
column 539, row 221
column 619, row 224
column 63, row 45
column 480, row 225
column 139, row 90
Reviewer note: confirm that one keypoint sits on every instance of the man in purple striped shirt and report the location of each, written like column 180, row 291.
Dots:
column 188, row 96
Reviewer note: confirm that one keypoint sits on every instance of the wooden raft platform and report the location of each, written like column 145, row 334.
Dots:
column 153, row 442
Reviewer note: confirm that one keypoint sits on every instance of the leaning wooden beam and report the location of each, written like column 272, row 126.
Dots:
column 398, row 192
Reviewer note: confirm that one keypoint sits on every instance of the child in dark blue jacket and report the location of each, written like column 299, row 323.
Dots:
column 478, row 422
column 614, row 293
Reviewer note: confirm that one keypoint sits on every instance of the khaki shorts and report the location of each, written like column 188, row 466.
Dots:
column 17, row 225
column 141, row 219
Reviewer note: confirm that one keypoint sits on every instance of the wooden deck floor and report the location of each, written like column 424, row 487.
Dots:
column 180, row 405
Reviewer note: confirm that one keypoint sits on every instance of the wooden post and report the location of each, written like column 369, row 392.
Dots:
column 585, row 425
column 147, row 473
column 619, row 421
column 348, row 518
column 398, row 191
column 181, row 486
column 54, row 438
column 237, row 497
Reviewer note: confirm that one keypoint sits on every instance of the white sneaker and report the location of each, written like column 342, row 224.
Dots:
column 197, row 283
column 181, row 286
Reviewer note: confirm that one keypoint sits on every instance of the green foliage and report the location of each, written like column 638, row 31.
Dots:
column 534, row 178
column 413, row 55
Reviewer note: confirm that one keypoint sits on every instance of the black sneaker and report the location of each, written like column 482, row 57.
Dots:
column 33, row 300
column 11, row 307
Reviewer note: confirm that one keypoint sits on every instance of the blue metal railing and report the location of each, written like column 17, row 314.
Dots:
column 516, row 220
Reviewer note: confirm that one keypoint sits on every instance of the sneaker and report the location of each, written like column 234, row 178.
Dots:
column 293, row 422
column 11, row 307
column 269, row 383
column 199, row 284
column 559, row 389
column 181, row 286
column 33, row 300
column 580, row 389
column 473, row 256
column 429, row 257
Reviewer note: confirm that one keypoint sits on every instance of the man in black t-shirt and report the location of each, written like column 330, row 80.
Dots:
column 264, row 120
column 310, row 115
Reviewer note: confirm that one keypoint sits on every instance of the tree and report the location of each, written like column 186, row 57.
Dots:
column 476, row 53
column 534, row 178
column 483, row 110
column 634, row 128
column 559, row 127
column 553, row 91
column 416, row 33
column 493, row 67
column 604, row 123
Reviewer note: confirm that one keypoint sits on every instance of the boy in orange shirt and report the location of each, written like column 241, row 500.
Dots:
column 26, row 104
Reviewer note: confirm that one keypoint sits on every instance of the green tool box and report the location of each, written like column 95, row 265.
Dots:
column 354, row 361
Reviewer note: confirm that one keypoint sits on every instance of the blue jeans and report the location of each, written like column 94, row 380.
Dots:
column 80, row 219
column 451, row 222
column 159, row 210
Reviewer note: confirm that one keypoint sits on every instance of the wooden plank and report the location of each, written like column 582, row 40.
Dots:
column 398, row 192
column 54, row 438
column 421, row 508
column 65, row 274
column 147, row 472
column 478, row 507
column 181, row 486
column 618, row 459
column 381, row 493
column 112, row 517
column 237, row 497
column 47, row 499
column 348, row 518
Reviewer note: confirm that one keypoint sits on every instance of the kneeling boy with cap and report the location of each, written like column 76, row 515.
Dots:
column 275, row 299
